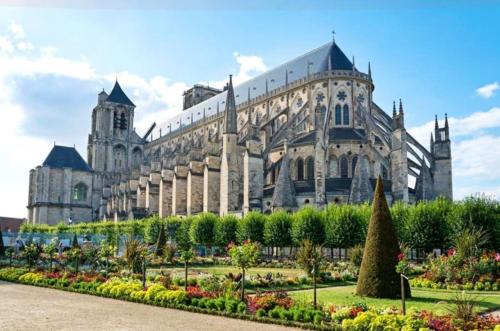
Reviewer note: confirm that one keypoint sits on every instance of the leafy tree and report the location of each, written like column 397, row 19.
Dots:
column 400, row 211
column 31, row 254
column 50, row 250
column 182, row 236
column 152, row 229
column 377, row 276
column 161, row 242
column 173, row 224
column 244, row 256
column 10, row 253
column 225, row 230
column 186, row 256
column 426, row 227
column 277, row 229
column 202, row 229
column 480, row 213
column 311, row 259
column 106, row 251
column 75, row 256
column 308, row 224
column 344, row 226
column 251, row 227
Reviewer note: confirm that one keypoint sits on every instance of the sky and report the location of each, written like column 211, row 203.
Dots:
column 56, row 56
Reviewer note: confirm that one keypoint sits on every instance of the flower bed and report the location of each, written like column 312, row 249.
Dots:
column 268, row 307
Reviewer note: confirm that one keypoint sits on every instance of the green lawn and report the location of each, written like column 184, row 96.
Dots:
column 428, row 299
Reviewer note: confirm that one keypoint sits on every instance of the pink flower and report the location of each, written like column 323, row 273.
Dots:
column 497, row 257
column 401, row 256
column 451, row 251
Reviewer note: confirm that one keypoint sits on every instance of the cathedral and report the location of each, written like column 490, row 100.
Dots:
column 307, row 132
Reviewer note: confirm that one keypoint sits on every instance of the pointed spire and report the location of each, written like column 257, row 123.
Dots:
column 230, row 114
column 393, row 109
column 400, row 106
column 118, row 96
column 353, row 63
column 446, row 120
column 369, row 69
column 267, row 87
column 432, row 140
column 333, row 36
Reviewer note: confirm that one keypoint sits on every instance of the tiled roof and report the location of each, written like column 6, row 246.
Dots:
column 66, row 157
column 117, row 95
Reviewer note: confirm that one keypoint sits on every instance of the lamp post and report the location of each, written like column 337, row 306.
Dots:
column 403, row 294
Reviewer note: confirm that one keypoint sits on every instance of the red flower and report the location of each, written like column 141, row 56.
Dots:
column 401, row 256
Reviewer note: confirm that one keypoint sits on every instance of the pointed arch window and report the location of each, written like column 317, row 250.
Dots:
column 338, row 115
column 346, row 115
column 300, row 169
column 344, row 167
column 123, row 121
column 384, row 171
column 354, row 161
column 310, row 168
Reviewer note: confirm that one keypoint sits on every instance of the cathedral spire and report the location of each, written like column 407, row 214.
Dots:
column 400, row 107
column 353, row 63
column 369, row 69
column 230, row 114
column 393, row 109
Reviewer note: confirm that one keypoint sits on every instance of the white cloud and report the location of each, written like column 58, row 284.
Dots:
column 475, row 143
column 250, row 66
column 487, row 91
column 157, row 99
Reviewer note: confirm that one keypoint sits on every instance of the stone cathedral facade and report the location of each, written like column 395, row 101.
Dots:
column 305, row 133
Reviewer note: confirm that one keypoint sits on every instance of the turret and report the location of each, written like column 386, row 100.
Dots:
column 441, row 151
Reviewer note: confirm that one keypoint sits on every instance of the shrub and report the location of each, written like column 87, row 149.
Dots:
column 308, row 224
column 225, row 230
column 242, row 307
column 251, row 227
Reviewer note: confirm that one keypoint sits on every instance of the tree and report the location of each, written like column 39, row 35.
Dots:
column 377, row 276
column 185, row 246
column 251, row 227
column 31, row 254
column 244, row 256
column 75, row 255
column 202, row 229
column 173, row 224
column 225, row 230
column 277, row 230
column 74, row 242
column 10, row 253
column 2, row 247
column 152, row 229
column 105, row 252
column 161, row 242
column 50, row 250
column 344, row 226
column 308, row 224
column 311, row 259
column 134, row 254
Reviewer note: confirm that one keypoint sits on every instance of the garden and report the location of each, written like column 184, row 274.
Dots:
column 312, row 269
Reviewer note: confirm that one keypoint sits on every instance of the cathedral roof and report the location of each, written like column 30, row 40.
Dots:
column 319, row 60
column 118, row 96
column 66, row 157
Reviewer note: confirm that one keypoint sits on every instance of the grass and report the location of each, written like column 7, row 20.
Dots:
column 223, row 270
column 428, row 299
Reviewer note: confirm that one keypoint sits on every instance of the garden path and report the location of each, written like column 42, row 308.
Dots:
column 25, row 307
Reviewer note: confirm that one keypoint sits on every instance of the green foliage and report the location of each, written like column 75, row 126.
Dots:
column 225, row 230
column 153, row 226
column 74, row 242
column 182, row 236
column 161, row 242
column 203, row 229
column 356, row 255
column 135, row 253
column 310, row 258
column 345, row 226
column 173, row 224
column 308, row 224
column 31, row 254
column 426, row 226
column 478, row 213
column 468, row 243
column 377, row 275
column 277, row 229
column 251, row 227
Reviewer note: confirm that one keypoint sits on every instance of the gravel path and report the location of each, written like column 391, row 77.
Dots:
column 25, row 307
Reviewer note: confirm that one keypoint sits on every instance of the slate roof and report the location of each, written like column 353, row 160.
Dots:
column 118, row 96
column 313, row 62
column 66, row 157
column 335, row 134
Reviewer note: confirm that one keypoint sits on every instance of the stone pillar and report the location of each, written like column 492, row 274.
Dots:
column 399, row 161
column 179, row 190
column 229, row 175
column 211, row 184
column 195, row 188
column 253, row 177
column 165, row 200
column 153, row 188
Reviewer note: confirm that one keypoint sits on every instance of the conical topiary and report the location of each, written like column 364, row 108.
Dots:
column 74, row 243
column 161, row 242
column 378, row 277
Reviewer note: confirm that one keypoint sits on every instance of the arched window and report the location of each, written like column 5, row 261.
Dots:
column 300, row 169
column 123, row 121
column 338, row 115
column 310, row 168
column 344, row 167
column 119, row 158
column 333, row 167
column 354, row 161
column 80, row 192
column 136, row 157
column 383, row 170
column 346, row 115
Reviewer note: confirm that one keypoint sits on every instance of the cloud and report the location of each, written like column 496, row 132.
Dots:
column 250, row 66
column 475, row 142
column 45, row 97
column 487, row 91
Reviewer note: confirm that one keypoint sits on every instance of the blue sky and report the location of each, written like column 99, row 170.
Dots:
column 54, row 60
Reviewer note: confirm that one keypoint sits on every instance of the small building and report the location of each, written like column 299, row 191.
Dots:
column 61, row 188
column 10, row 224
